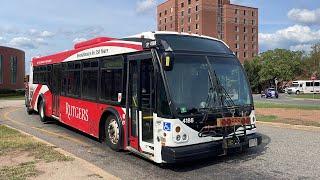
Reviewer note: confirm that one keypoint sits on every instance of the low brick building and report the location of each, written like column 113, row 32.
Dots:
column 12, row 68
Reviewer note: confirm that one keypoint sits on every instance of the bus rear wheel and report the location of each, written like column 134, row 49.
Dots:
column 113, row 133
column 42, row 111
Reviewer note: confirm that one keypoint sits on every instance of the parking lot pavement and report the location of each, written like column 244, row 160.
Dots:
column 286, row 99
column 284, row 154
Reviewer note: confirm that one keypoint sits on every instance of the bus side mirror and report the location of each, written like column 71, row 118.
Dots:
column 167, row 61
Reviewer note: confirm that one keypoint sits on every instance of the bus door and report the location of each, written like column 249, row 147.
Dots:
column 140, row 102
column 56, row 89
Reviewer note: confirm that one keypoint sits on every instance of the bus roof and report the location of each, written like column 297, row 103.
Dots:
column 105, row 46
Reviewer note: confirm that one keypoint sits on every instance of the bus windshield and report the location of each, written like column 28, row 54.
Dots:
column 190, row 86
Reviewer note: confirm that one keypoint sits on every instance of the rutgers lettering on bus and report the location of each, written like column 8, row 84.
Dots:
column 76, row 112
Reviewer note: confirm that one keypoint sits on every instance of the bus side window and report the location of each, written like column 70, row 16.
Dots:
column 90, row 79
column 112, row 79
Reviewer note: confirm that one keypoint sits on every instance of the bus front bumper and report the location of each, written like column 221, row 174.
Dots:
column 205, row 150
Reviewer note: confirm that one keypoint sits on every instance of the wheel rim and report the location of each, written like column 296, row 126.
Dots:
column 113, row 131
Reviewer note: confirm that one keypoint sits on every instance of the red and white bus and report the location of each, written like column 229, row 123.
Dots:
column 166, row 96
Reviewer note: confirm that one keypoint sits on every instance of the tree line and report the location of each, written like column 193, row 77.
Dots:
column 284, row 65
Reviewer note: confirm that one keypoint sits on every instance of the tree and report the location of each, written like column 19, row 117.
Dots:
column 253, row 68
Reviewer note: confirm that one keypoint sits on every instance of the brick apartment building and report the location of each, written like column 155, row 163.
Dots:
column 236, row 25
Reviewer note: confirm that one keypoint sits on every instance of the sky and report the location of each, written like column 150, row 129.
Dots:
column 42, row 27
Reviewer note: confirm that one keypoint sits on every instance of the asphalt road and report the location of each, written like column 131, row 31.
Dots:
column 287, row 99
column 284, row 154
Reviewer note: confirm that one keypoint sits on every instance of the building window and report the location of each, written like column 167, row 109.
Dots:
column 182, row 13
column 182, row 21
column 236, row 11
column 237, row 37
column 13, row 68
column 244, row 29
column 235, row 20
column 165, row 28
column 236, row 45
column 159, row 14
column 244, row 21
column 165, row 20
column 244, row 12
column 254, row 46
column 245, row 46
column 182, row 5
column 236, row 53
column 171, row 10
column 182, row 30
column 160, row 22
column 189, row 11
column 197, row 8
column 189, row 2
column 253, row 38
column 236, row 28
column 197, row 26
column 197, row 17
column 253, row 30
column 253, row 54
column 189, row 28
column 253, row 22
column 111, row 78
column 171, row 18
column 245, row 38
column 171, row 26
column 189, row 19
column 1, row 69
column 244, row 54
column 252, row 13
column 165, row 12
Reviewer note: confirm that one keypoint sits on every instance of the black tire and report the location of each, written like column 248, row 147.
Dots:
column 42, row 111
column 113, row 133
column 297, row 92
column 29, row 110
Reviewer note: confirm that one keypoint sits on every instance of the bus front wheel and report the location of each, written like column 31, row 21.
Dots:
column 113, row 133
column 297, row 92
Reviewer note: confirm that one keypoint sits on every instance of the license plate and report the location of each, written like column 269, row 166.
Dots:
column 253, row 142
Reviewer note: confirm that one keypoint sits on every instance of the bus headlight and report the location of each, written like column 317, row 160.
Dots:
column 178, row 137
column 184, row 137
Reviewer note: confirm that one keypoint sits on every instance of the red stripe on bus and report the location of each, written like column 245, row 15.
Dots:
column 35, row 95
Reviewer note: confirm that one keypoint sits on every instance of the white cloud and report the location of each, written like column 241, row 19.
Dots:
column 144, row 6
column 26, row 42
column 293, row 37
column 37, row 33
column 46, row 34
column 301, row 47
column 77, row 40
column 305, row 16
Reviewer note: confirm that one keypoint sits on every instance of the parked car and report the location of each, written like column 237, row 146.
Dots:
column 270, row 93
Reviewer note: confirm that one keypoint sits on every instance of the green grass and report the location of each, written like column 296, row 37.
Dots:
column 269, row 118
column 21, row 171
column 12, row 140
column 286, row 106
column 12, row 97
column 306, row 96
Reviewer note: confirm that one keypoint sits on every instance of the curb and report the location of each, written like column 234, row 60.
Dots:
column 291, row 126
column 88, row 165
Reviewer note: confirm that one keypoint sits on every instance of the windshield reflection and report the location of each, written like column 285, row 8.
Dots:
column 190, row 86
